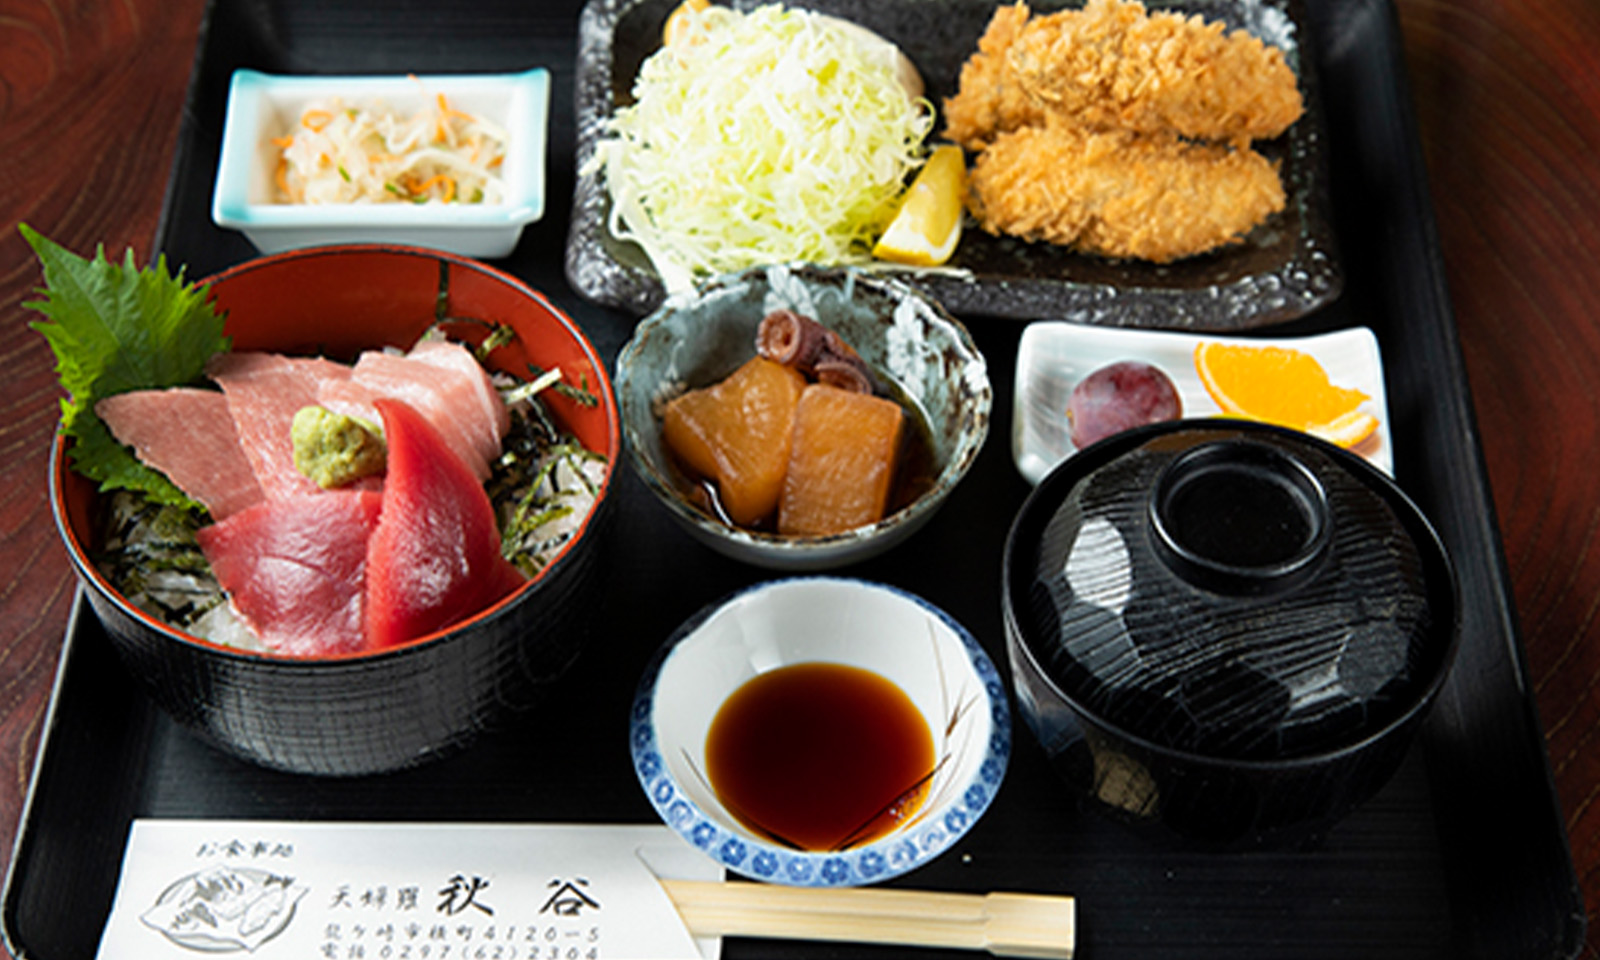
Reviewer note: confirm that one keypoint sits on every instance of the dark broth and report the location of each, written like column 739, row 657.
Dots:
column 820, row 756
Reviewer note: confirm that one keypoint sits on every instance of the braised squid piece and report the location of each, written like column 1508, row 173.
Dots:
column 800, row 342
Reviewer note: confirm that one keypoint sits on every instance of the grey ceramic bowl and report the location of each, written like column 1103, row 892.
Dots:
column 699, row 337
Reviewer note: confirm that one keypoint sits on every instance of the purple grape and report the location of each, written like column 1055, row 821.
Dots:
column 1119, row 397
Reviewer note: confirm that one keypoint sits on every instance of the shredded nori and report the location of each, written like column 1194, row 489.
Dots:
column 539, row 479
column 151, row 556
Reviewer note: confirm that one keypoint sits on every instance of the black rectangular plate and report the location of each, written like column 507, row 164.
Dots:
column 1463, row 855
column 1285, row 268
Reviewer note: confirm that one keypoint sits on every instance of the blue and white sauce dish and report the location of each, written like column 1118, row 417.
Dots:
column 881, row 629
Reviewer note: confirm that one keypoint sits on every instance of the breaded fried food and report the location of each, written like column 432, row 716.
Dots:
column 1120, row 133
column 1117, row 193
column 990, row 99
column 1113, row 65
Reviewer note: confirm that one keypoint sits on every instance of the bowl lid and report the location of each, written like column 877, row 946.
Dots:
column 1230, row 588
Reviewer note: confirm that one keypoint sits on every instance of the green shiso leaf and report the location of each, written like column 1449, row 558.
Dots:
column 114, row 329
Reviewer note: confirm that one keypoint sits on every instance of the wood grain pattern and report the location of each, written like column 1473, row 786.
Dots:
column 90, row 97
column 1509, row 113
column 1508, row 98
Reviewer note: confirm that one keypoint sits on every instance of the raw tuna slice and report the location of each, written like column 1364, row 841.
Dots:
column 295, row 569
column 351, row 399
column 435, row 557
column 189, row 436
column 379, row 376
column 453, row 356
column 264, row 392
column 446, row 396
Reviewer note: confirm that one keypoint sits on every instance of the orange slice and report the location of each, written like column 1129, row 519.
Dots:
column 927, row 227
column 1284, row 386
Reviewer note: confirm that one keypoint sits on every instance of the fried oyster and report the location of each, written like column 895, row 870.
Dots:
column 1121, row 133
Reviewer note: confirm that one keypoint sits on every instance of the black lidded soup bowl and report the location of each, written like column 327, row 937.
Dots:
column 380, row 711
column 1225, row 634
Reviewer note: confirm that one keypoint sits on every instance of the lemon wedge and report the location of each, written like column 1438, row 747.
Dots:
column 677, row 22
column 927, row 227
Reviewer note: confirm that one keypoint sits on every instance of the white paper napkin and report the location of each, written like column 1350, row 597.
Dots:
column 278, row 889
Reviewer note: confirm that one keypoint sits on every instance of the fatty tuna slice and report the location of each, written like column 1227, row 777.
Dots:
column 452, row 356
column 295, row 569
column 447, row 395
column 388, row 376
column 264, row 392
column 189, row 436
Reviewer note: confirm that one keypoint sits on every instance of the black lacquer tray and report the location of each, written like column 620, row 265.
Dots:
column 1462, row 855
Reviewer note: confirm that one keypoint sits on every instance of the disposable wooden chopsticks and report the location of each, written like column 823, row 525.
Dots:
column 1005, row 924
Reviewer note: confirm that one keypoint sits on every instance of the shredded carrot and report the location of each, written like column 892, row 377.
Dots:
column 283, row 179
column 341, row 153
column 438, row 178
column 447, row 111
column 447, row 131
column 442, row 122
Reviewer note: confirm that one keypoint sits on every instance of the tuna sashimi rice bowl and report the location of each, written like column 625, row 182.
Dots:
column 330, row 456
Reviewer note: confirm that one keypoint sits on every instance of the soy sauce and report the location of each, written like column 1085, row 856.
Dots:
column 820, row 756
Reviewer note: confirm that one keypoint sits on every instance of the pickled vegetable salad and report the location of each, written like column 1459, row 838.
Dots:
column 770, row 136
column 369, row 153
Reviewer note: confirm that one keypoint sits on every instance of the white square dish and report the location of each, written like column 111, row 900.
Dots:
column 264, row 106
column 1052, row 356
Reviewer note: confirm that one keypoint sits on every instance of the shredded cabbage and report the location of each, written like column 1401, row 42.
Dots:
column 763, row 137
column 368, row 153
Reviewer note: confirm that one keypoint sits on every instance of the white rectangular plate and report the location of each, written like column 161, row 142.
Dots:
column 1053, row 356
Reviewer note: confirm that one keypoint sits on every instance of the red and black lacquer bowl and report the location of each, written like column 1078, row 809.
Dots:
column 382, row 711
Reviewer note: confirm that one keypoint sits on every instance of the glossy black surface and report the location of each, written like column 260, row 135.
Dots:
column 1234, row 697
column 1461, row 855
column 1287, row 267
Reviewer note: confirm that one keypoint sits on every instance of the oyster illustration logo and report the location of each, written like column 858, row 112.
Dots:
column 225, row 909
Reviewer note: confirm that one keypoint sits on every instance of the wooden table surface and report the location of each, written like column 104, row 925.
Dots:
column 1508, row 97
